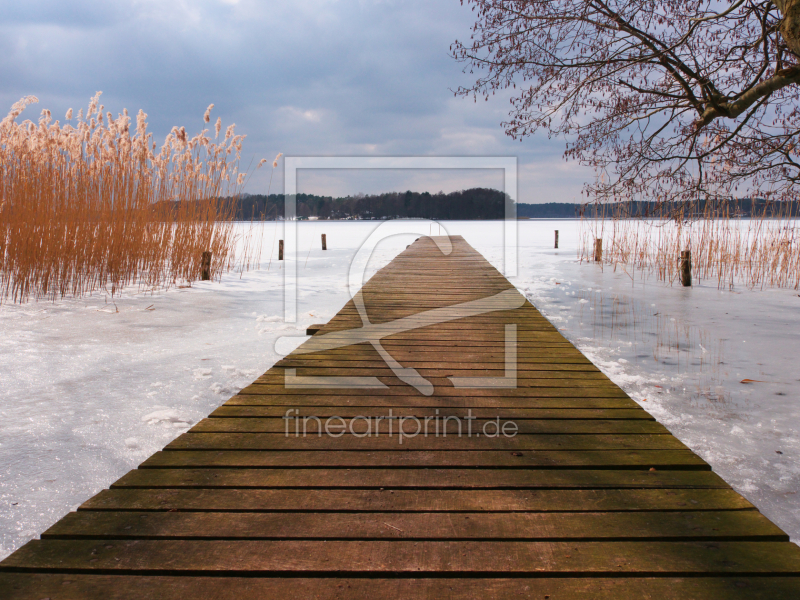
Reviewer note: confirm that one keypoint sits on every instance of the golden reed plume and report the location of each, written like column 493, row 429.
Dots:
column 93, row 205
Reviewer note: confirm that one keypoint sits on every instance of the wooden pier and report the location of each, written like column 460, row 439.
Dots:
column 591, row 498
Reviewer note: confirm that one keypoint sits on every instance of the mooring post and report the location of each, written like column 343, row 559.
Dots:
column 686, row 268
column 598, row 249
column 205, row 267
column 324, row 242
column 556, row 239
column 280, row 249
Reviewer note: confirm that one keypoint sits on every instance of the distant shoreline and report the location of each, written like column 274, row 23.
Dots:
column 480, row 204
column 584, row 218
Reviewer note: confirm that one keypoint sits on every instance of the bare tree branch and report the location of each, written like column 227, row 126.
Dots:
column 674, row 98
column 731, row 110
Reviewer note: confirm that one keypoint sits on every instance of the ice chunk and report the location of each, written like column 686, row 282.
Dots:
column 220, row 389
column 266, row 319
column 747, row 486
column 202, row 373
column 167, row 415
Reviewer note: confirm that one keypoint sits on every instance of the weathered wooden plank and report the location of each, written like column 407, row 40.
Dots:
column 525, row 316
column 590, row 400
column 426, row 354
column 300, row 459
column 262, row 411
column 480, row 335
column 437, row 369
column 408, row 557
column 510, row 307
column 416, row 479
column 388, row 500
column 72, row 586
column 441, row 423
column 440, row 359
column 440, row 354
column 426, row 326
column 573, row 378
column 477, row 441
column 746, row 525
column 527, row 395
column 278, row 385
column 351, row 317
column 390, row 342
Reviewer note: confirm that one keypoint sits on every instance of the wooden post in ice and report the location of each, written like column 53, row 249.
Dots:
column 280, row 249
column 686, row 268
column 324, row 242
column 205, row 266
column 556, row 246
column 598, row 249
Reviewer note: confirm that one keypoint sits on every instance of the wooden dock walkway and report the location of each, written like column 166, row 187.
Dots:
column 592, row 498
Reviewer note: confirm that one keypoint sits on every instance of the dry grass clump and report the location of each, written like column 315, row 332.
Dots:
column 762, row 251
column 93, row 204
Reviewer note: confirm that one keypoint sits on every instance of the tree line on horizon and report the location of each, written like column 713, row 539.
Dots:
column 488, row 204
column 471, row 204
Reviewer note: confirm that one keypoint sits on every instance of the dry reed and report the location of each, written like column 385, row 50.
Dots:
column 95, row 206
column 761, row 251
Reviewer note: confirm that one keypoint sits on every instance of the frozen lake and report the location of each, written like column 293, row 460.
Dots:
column 89, row 388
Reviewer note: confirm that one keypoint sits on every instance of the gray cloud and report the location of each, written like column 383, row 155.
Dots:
column 314, row 77
column 81, row 14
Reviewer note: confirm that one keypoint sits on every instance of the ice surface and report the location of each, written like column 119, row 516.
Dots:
column 87, row 393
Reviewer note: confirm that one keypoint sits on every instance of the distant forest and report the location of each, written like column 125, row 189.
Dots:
column 741, row 207
column 476, row 203
column 473, row 204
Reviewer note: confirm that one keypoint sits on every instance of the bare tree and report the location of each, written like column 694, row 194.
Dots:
column 666, row 99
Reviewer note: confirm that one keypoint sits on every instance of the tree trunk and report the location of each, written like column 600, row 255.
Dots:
column 790, row 26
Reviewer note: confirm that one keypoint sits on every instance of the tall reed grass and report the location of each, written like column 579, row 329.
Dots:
column 94, row 204
column 760, row 251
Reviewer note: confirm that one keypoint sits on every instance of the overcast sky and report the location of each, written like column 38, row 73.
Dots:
column 302, row 77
